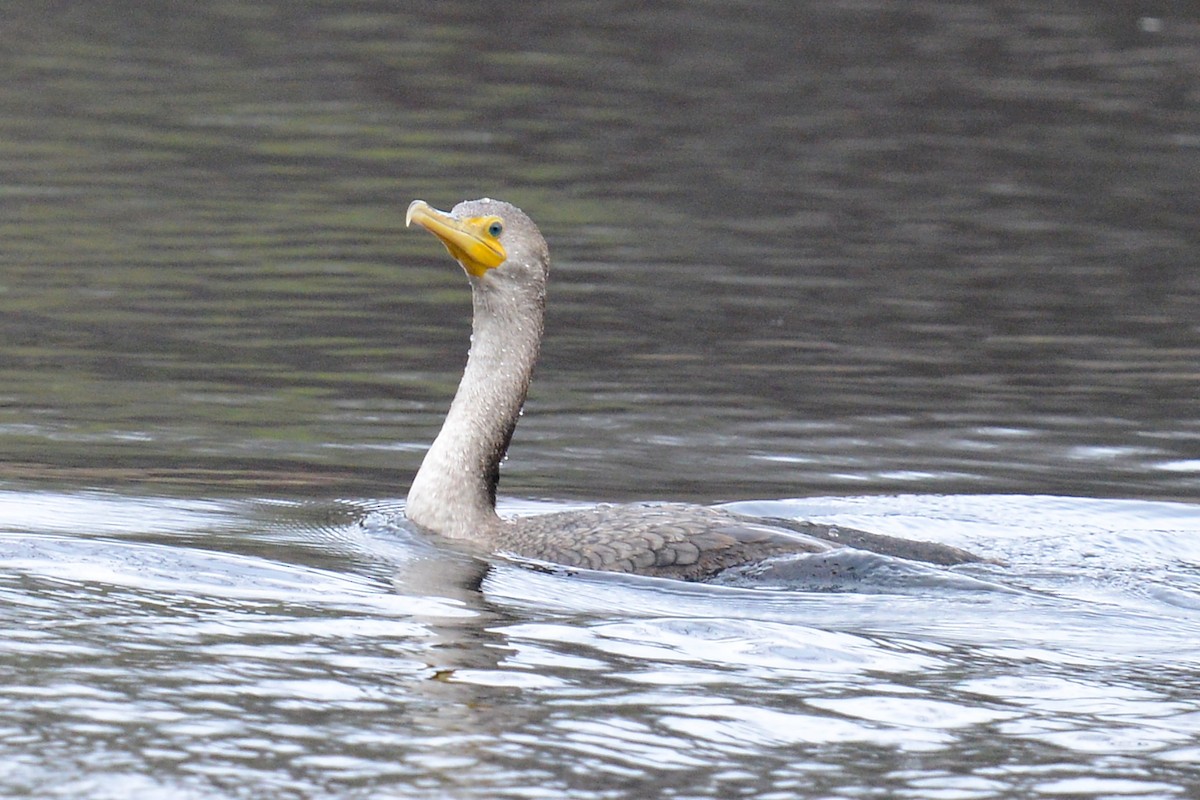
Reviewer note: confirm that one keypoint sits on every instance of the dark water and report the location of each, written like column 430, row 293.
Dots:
column 930, row 266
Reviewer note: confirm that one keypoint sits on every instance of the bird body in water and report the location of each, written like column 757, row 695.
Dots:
column 507, row 261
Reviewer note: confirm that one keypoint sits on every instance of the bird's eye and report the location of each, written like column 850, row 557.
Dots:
column 495, row 229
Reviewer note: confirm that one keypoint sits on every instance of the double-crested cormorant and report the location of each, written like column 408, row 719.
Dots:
column 454, row 492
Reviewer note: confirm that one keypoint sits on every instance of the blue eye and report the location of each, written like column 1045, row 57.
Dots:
column 495, row 229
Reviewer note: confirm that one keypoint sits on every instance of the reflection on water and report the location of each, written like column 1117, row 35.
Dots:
column 151, row 668
column 838, row 249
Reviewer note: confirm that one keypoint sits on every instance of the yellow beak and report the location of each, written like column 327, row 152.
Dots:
column 468, row 240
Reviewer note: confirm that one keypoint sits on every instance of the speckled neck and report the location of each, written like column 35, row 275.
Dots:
column 454, row 492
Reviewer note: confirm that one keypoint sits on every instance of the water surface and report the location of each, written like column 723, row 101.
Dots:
column 927, row 271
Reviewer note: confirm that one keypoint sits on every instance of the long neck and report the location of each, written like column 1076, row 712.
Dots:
column 454, row 492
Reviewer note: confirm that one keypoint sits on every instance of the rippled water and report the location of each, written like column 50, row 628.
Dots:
column 156, row 648
column 929, row 270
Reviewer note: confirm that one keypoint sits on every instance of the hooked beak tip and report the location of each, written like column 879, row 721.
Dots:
column 412, row 209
